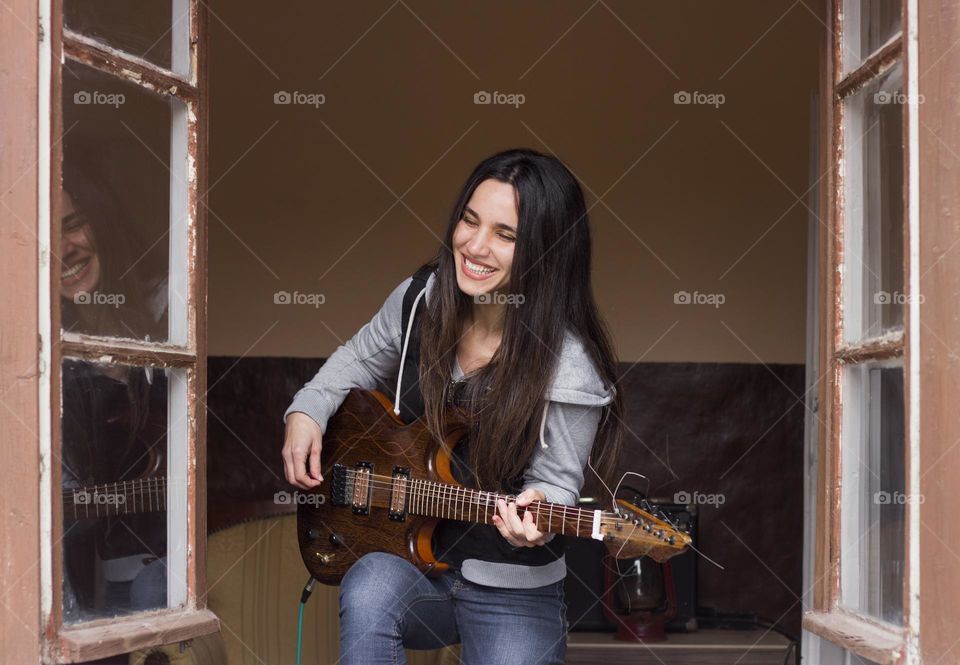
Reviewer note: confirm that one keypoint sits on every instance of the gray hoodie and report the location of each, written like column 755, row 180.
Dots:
column 567, row 427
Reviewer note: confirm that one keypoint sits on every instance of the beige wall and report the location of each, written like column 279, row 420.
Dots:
column 303, row 198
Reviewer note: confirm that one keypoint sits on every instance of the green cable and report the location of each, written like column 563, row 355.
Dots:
column 307, row 590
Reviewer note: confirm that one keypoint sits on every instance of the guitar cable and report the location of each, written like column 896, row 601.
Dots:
column 304, row 597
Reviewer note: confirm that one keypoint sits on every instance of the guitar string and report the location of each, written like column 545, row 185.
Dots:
column 150, row 486
column 437, row 490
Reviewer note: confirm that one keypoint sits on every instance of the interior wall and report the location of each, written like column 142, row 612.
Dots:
column 348, row 197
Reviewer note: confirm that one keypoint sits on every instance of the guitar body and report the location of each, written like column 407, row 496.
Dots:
column 365, row 433
column 386, row 486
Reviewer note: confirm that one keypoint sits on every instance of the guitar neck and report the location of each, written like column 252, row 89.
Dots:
column 130, row 496
column 454, row 502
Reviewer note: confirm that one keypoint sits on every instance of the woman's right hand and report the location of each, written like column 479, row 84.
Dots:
column 301, row 451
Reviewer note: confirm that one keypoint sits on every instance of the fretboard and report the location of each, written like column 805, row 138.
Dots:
column 130, row 496
column 435, row 499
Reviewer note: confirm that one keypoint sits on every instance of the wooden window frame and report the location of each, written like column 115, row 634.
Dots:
column 105, row 637
column 863, row 635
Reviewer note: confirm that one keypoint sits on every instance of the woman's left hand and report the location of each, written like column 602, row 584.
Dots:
column 520, row 532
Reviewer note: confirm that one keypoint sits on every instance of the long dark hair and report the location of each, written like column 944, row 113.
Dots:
column 551, row 271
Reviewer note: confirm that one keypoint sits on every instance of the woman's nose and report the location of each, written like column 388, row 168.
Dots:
column 478, row 244
column 66, row 244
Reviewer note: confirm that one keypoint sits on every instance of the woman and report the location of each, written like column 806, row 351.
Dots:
column 505, row 326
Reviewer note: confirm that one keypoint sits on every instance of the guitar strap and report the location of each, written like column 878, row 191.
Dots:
column 409, row 396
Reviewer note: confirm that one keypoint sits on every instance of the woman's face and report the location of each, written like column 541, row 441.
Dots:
column 484, row 239
column 80, row 267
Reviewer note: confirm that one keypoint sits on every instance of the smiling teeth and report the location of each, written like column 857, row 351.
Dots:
column 73, row 270
column 478, row 269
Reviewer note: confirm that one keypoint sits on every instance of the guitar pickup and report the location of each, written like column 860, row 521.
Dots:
column 398, row 493
column 361, row 491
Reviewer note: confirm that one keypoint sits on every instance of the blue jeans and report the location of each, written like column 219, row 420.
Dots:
column 387, row 604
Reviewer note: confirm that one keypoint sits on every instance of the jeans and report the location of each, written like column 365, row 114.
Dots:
column 387, row 604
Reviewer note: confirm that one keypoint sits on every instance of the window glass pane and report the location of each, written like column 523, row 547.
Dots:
column 873, row 209
column 152, row 30
column 867, row 25
column 115, row 244
column 116, row 463
column 873, row 491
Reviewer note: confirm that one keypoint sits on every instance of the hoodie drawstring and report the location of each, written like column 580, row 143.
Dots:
column 406, row 343
column 543, row 426
column 403, row 359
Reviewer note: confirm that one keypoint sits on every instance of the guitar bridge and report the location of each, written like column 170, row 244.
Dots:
column 398, row 493
column 338, row 485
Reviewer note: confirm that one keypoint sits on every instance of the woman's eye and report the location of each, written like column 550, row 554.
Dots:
column 507, row 237
column 469, row 222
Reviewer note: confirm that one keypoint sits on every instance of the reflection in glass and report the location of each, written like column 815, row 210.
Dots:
column 114, row 462
column 874, row 497
column 152, row 30
column 867, row 25
column 114, row 252
column 873, row 209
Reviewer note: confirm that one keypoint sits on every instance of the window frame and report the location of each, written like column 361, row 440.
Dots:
column 110, row 636
column 866, row 636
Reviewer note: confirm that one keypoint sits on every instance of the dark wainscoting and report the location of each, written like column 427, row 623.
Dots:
column 730, row 430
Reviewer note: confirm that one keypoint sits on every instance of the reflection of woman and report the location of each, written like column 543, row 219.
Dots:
column 508, row 329
column 114, row 418
column 110, row 281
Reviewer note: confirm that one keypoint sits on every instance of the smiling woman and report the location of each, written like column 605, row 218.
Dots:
column 110, row 282
column 503, row 325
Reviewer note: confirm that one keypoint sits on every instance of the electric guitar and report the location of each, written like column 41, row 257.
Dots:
column 388, row 484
